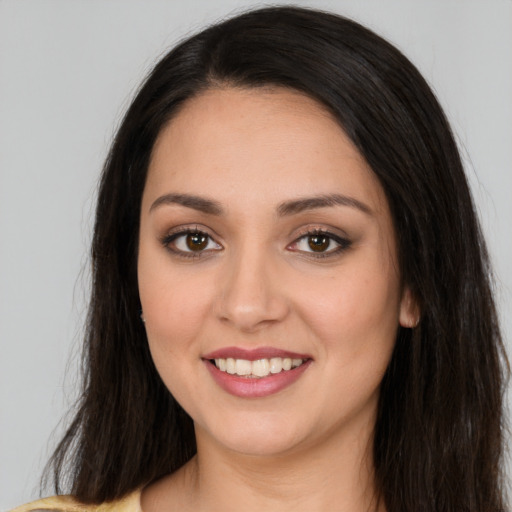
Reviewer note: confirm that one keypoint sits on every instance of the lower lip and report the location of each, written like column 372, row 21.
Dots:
column 246, row 387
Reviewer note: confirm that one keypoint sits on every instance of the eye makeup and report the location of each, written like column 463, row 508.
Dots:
column 320, row 243
column 190, row 242
column 195, row 242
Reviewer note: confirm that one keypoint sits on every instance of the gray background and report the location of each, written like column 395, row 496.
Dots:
column 68, row 69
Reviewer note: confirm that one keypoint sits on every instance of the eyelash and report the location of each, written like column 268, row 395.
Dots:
column 343, row 243
column 168, row 240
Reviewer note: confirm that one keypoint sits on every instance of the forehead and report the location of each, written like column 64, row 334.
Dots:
column 262, row 143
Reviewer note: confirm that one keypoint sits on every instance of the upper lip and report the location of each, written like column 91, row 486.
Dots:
column 253, row 354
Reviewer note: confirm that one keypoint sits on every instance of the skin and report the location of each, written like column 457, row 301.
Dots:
column 258, row 283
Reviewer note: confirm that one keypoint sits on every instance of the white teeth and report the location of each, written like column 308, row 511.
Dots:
column 230, row 365
column 276, row 365
column 259, row 368
column 296, row 362
column 243, row 367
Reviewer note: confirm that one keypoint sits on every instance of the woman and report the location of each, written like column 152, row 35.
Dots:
column 291, row 304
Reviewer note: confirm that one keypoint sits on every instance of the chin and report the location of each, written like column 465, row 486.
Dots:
column 256, row 436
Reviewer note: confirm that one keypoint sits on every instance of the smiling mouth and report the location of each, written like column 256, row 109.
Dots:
column 257, row 369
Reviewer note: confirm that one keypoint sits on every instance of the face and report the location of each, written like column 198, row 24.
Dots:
column 267, row 272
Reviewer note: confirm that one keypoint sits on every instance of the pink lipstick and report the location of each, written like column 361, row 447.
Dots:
column 255, row 373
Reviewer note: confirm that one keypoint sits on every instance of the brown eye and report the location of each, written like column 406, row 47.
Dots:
column 190, row 243
column 196, row 241
column 318, row 243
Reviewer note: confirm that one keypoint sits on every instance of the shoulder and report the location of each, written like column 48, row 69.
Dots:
column 130, row 503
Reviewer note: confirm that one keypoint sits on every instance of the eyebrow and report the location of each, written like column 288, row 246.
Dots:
column 324, row 201
column 201, row 204
column 292, row 207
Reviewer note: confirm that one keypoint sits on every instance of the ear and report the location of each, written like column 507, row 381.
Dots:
column 409, row 316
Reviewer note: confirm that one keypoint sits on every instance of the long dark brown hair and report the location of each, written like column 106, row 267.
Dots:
column 438, row 441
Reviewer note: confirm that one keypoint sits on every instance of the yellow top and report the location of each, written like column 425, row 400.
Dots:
column 130, row 503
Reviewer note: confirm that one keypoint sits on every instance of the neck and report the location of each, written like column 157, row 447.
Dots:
column 334, row 474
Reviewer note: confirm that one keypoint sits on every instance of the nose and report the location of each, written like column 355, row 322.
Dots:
column 250, row 295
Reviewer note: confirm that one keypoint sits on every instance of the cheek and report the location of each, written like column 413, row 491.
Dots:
column 356, row 312
column 174, row 305
column 354, row 325
column 174, row 310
